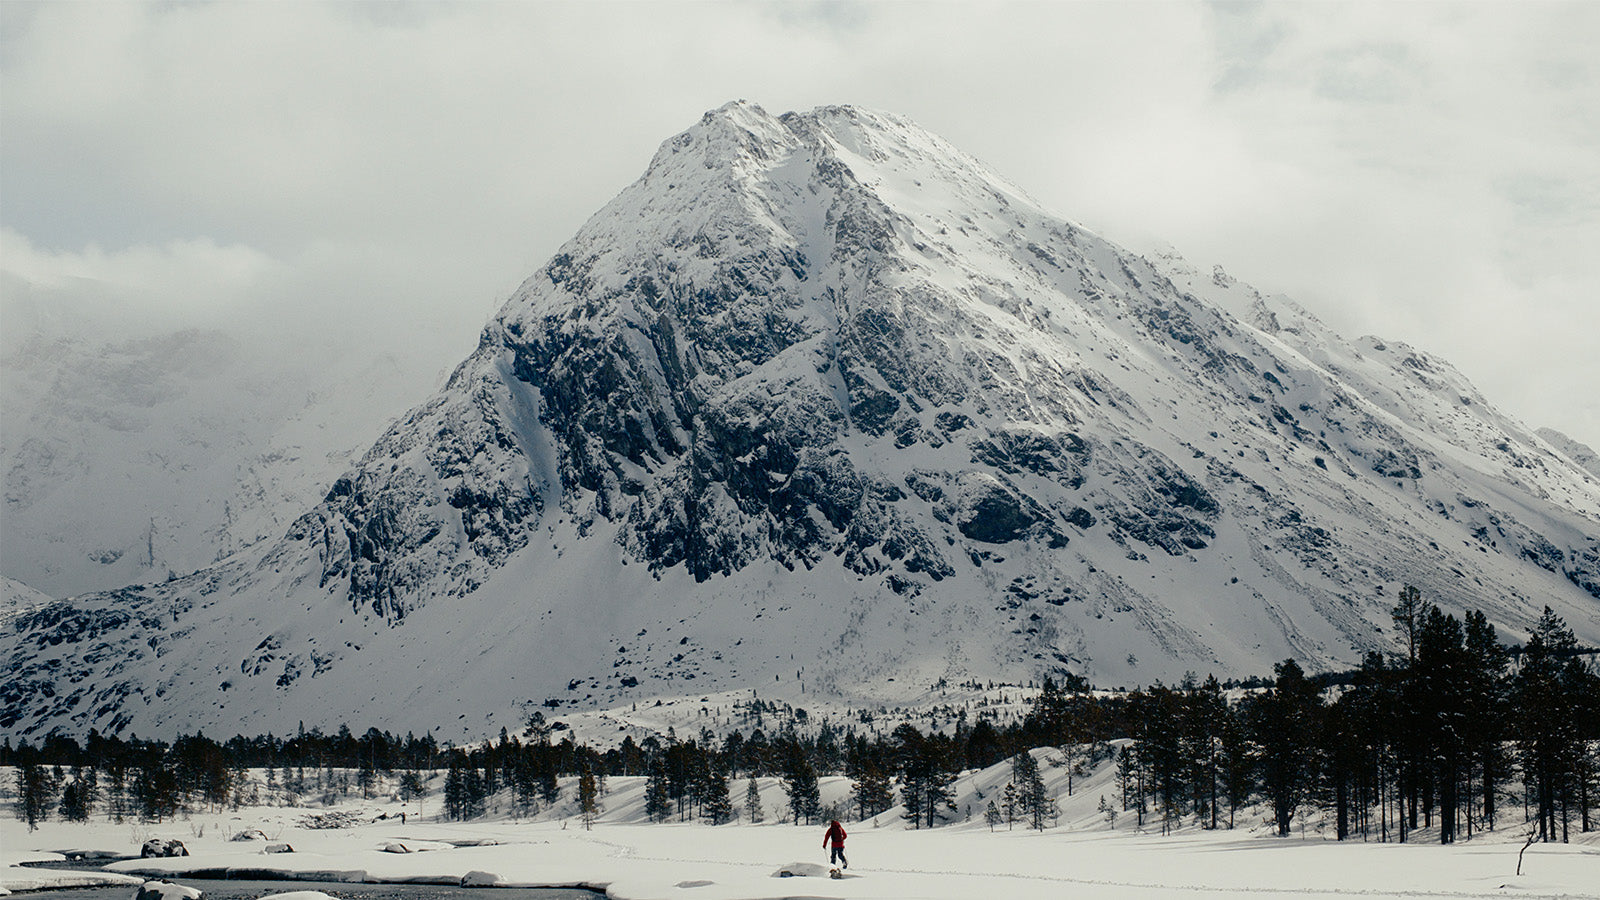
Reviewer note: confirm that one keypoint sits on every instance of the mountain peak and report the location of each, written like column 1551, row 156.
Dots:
column 820, row 403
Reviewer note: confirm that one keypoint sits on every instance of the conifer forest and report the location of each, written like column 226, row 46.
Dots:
column 1455, row 734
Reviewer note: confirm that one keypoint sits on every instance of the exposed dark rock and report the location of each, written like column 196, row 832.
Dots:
column 162, row 847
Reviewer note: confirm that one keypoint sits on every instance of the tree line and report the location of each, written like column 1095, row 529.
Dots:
column 1456, row 734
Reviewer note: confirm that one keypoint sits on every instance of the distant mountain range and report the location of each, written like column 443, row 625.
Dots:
column 137, row 459
column 820, row 404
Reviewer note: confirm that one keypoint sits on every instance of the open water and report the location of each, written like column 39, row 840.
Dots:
column 219, row 889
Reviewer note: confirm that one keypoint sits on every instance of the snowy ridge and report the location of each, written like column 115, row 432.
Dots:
column 1578, row 452
column 17, row 598
column 820, row 404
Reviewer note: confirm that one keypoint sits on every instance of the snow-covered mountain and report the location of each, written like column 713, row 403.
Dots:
column 1577, row 451
column 819, row 404
column 134, row 460
column 17, row 598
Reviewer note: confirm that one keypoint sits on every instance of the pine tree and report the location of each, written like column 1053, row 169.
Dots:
column 78, row 796
column 716, row 807
column 1205, row 712
column 549, row 788
column 588, row 798
column 1441, row 676
column 455, row 792
column 1108, row 811
column 245, row 790
column 698, row 765
column 1286, row 731
column 800, row 783
column 657, row 802
column 1407, row 615
column 872, row 791
column 1049, row 718
column 1408, row 753
column 1161, row 749
column 156, row 793
column 1237, row 765
column 1488, row 689
column 1548, row 688
column 1347, row 757
column 116, row 791
column 1131, row 781
column 475, row 790
column 991, row 816
column 1031, row 796
column 36, row 791
column 524, row 786
column 411, row 786
column 752, row 801
column 926, row 766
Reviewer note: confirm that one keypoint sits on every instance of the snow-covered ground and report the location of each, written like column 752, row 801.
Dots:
column 1083, row 856
column 741, row 861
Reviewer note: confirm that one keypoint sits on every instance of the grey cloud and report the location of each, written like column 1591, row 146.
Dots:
column 1423, row 171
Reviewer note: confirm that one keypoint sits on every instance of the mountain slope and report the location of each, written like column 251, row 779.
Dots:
column 821, row 404
column 1578, row 452
column 136, row 459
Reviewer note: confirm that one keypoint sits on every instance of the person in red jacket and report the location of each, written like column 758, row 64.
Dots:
column 836, row 836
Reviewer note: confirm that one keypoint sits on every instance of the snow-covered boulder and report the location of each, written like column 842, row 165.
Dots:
column 249, row 834
column 277, row 848
column 162, row 847
column 166, row 890
column 476, row 878
column 802, row 870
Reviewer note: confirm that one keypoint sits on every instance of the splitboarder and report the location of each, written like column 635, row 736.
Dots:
column 836, row 835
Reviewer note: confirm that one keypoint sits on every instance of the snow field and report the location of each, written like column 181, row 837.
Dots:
column 739, row 862
column 1084, row 856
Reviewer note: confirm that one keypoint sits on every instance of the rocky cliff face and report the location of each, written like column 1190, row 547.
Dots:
column 821, row 401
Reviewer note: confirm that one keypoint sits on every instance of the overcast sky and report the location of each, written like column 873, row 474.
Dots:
column 387, row 173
